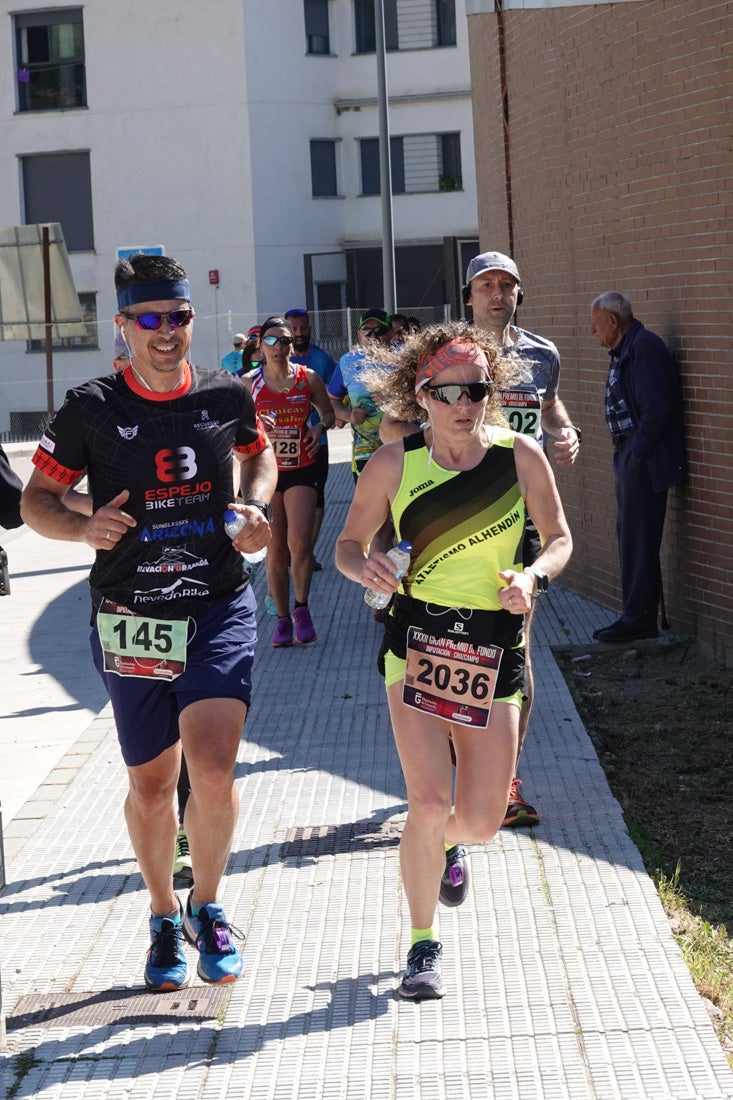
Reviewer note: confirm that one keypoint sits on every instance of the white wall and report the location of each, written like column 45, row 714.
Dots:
column 170, row 151
column 293, row 98
column 198, row 124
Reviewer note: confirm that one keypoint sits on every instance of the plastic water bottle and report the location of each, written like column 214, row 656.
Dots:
column 400, row 555
column 234, row 522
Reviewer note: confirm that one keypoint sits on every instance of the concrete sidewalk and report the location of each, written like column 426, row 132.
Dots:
column 49, row 693
column 563, row 977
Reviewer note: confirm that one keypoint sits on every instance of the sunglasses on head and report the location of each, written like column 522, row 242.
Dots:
column 296, row 313
column 451, row 393
column 150, row 322
column 283, row 341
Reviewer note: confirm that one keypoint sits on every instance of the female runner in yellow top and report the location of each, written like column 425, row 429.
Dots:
column 453, row 655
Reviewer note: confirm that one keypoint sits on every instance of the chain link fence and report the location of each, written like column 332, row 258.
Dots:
column 28, row 399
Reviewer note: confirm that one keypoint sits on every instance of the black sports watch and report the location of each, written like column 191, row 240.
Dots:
column 577, row 431
column 263, row 506
column 543, row 583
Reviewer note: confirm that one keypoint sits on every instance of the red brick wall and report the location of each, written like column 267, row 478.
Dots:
column 621, row 138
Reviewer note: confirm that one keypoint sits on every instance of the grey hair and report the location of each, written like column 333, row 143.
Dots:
column 613, row 302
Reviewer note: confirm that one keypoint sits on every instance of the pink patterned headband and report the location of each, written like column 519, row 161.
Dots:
column 454, row 353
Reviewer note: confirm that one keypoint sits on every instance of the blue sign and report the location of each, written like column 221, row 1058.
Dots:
column 149, row 250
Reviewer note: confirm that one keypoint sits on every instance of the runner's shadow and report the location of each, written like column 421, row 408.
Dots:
column 346, row 1001
column 71, row 890
column 59, row 644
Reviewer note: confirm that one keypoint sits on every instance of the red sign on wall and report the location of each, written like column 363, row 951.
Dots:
column 214, row 276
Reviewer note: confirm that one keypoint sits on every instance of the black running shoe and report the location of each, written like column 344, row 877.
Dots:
column 455, row 881
column 422, row 980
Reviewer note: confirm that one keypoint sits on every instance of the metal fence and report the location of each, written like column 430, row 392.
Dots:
column 27, row 398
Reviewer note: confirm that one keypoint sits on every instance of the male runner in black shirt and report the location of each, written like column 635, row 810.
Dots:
column 173, row 623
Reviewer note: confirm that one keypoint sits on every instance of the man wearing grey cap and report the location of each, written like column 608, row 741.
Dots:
column 494, row 290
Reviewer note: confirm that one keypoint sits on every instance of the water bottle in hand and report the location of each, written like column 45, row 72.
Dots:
column 400, row 555
column 234, row 522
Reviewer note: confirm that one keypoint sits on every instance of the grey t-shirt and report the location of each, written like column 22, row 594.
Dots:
column 522, row 404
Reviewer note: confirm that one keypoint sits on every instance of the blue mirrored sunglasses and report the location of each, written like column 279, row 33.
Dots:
column 283, row 341
column 151, row 322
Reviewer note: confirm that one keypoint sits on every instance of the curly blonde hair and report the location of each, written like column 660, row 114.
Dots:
column 394, row 390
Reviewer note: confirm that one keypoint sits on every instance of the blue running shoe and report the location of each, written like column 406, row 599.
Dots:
column 270, row 607
column 166, row 966
column 209, row 932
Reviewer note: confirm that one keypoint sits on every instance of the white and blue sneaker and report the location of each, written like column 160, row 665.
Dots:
column 166, row 967
column 210, row 932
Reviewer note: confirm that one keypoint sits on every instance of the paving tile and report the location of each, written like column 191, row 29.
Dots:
column 564, row 979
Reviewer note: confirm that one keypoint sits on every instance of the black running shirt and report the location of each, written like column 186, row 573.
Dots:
column 173, row 452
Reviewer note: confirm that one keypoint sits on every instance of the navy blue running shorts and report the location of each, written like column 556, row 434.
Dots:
column 218, row 666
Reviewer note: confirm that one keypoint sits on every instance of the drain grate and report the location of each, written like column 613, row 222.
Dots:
column 117, row 1006
column 312, row 841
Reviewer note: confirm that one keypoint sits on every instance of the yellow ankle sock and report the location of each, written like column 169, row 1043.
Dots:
column 419, row 934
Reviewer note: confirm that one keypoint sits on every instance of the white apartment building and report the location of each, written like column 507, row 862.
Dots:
column 241, row 137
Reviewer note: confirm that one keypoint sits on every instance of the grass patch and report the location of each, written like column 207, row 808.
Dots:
column 708, row 952
column 660, row 718
column 24, row 1063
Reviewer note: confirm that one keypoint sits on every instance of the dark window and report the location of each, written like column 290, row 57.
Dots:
column 445, row 22
column 365, row 29
column 57, row 187
column 88, row 342
column 370, row 184
column 323, row 169
column 331, row 296
column 451, row 176
column 316, row 27
column 50, row 58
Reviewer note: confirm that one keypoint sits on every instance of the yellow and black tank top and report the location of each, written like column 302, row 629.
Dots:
column 464, row 525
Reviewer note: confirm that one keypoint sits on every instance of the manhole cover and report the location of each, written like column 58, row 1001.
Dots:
column 117, row 1006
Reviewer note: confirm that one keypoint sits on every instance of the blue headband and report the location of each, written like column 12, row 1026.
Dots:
column 157, row 290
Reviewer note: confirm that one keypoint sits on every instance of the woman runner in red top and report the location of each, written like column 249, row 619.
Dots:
column 284, row 394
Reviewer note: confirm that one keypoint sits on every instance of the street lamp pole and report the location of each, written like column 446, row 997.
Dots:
column 385, row 165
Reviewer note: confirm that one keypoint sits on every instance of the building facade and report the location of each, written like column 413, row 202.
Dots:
column 244, row 145
column 603, row 139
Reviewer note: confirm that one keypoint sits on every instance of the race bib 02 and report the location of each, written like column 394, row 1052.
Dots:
column 523, row 410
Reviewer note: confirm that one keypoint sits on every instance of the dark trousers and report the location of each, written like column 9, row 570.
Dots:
column 639, row 525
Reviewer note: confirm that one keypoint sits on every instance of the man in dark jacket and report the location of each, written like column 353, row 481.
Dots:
column 644, row 417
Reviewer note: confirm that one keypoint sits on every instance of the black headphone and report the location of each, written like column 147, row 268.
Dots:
column 466, row 294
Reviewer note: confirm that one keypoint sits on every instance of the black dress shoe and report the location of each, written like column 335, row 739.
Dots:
column 624, row 632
